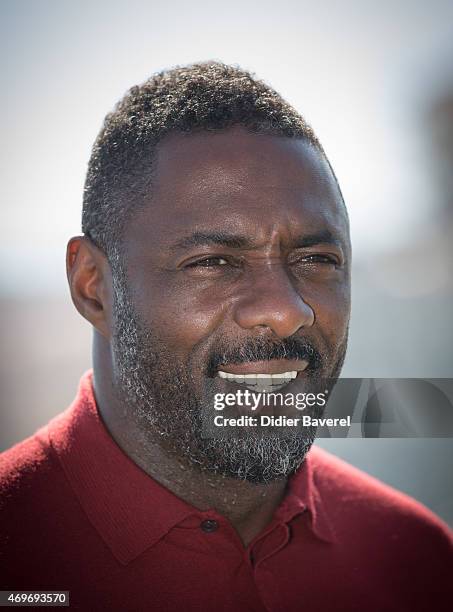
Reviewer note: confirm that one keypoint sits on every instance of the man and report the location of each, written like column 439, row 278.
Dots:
column 216, row 249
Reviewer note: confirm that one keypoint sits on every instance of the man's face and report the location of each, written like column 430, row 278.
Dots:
column 238, row 264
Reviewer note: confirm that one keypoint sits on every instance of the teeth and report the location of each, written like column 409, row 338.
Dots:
column 274, row 379
column 289, row 375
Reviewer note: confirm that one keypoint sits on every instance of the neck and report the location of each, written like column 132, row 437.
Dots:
column 249, row 507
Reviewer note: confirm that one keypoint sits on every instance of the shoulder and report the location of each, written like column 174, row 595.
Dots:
column 31, row 489
column 358, row 502
column 24, row 462
column 32, row 481
column 35, row 463
column 31, row 472
column 42, row 523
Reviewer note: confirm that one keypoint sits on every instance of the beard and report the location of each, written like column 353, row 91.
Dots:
column 163, row 396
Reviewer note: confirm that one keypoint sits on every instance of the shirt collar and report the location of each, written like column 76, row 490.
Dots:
column 129, row 509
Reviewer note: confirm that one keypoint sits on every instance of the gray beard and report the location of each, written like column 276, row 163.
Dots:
column 163, row 398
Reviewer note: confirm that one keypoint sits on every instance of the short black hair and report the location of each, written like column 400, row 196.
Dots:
column 204, row 96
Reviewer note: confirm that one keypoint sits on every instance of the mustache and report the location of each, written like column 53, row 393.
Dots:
column 264, row 349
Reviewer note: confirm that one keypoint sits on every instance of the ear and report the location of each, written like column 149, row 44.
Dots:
column 90, row 283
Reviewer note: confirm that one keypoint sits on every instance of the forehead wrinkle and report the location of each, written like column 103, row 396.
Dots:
column 274, row 244
column 275, row 240
column 231, row 161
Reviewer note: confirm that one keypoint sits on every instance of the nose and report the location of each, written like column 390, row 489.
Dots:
column 272, row 301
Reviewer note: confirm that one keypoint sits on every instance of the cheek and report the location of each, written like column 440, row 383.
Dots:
column 182, row 318
column 332, row 310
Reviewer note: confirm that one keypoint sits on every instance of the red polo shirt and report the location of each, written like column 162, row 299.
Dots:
column 77, row 514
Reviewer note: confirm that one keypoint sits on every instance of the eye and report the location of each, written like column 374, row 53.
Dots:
column 208, row 262
column 315, row 264
column 320, row 259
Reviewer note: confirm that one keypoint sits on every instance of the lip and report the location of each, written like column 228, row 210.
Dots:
column 276, row 366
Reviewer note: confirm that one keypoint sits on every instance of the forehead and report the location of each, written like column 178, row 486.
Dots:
column 236, row 181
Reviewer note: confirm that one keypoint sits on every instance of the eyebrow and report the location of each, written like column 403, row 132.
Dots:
column 322, row 237
column 232, row 241
column 237, row 241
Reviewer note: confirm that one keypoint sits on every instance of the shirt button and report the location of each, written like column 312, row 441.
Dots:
column 209, row 525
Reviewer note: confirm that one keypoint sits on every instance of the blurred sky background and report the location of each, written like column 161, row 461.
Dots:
column 375, row 80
